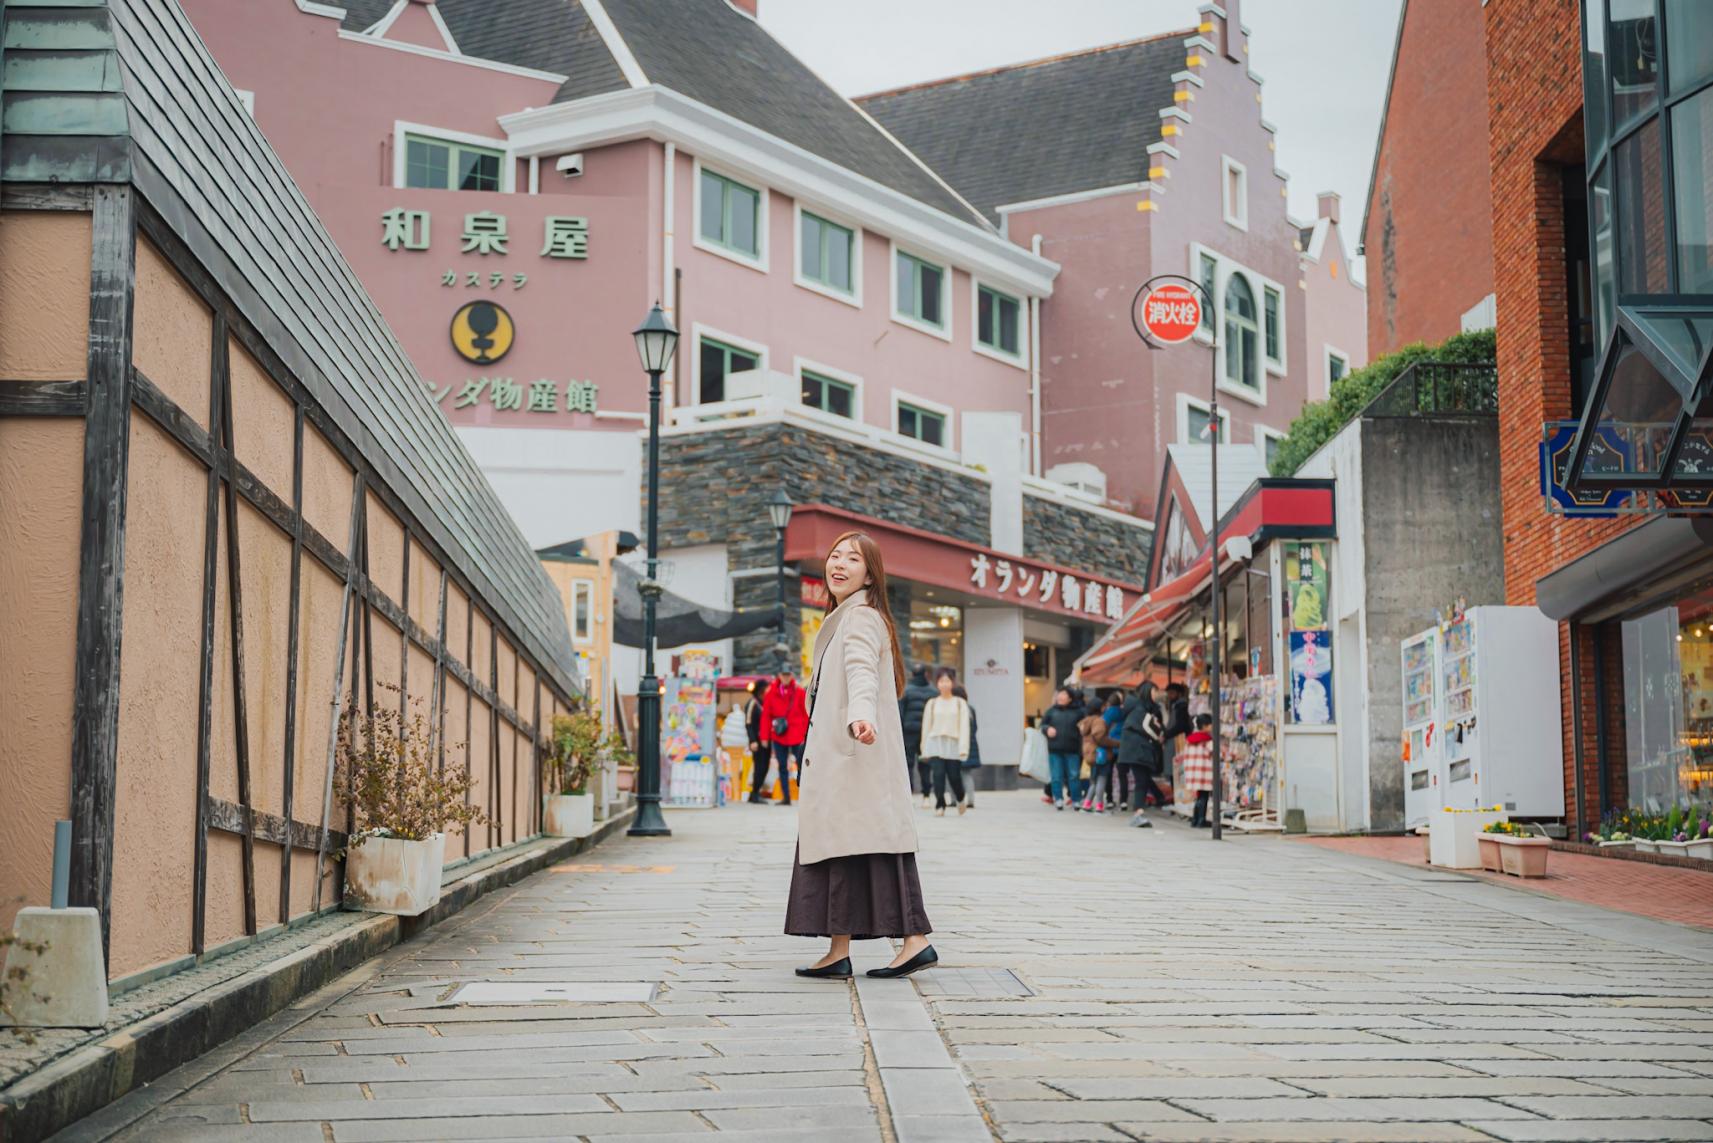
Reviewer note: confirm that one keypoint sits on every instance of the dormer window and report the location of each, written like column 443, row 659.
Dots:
column 436, row 164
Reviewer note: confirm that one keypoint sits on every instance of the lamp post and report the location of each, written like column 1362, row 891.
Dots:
column 779, row 511
column 656, row 338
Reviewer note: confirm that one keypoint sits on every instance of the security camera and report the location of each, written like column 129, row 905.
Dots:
column 570, row 165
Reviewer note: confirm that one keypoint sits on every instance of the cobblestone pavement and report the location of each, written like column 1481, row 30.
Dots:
column 1100, row 983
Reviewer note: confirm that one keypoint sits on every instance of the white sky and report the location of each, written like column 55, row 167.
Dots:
column 1325, row 62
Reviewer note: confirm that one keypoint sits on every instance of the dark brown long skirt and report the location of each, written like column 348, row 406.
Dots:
column 866, row 895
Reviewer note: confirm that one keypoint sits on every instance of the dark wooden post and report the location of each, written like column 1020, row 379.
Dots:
column 101, row 560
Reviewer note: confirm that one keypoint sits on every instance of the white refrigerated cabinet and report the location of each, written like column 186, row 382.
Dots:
column 1421, row 733
column 1498, row 728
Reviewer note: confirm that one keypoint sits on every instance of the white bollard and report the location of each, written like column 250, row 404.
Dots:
column 64, row 985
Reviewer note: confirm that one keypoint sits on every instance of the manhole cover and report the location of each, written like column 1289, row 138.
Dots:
column 977, row 983
column 554, row 992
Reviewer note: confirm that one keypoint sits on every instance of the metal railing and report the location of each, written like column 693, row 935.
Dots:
column 1430, row 388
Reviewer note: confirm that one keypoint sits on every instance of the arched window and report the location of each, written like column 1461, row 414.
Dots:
column 1242, row 335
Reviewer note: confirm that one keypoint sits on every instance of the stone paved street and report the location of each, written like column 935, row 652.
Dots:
column 1260, row 989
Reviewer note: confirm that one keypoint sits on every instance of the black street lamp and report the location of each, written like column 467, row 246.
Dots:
column 656, row 338
column 779, row 510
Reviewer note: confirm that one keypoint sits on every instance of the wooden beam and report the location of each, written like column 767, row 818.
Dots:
column 496, row 823
column 48, row 196
column 150, row 400
column 101, row 557
column 230, row 817
column 44, row 398
column 345, row 625
column 469, row 707
column 235, row 616
column 437, row 691
column 293, row 614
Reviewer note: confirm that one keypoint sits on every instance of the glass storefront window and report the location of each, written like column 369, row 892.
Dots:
column 1632, row 59
column 1692, row 180
column 1689, row 43
column 1594, row 74
column 1641, row 202
column 1668, row 706
column 936, row 635
column 1605, row 279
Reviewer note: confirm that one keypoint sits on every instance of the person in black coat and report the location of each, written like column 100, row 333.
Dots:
column 1138, row 746
column 758, row 753
column 974, row 759
column 1177, row 716
column 1065, row 746
column 916, row 694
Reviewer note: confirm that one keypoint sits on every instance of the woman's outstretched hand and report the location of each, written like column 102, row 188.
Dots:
column 863, row 732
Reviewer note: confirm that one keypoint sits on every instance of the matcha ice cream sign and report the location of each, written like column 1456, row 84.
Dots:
column 1308, row 600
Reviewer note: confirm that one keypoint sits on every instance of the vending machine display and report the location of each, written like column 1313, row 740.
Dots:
column 1421, row 714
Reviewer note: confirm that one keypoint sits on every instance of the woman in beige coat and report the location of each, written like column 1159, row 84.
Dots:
column 854, row 877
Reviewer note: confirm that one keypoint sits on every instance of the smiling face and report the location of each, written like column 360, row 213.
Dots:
column 944, row 682
column 847, row 571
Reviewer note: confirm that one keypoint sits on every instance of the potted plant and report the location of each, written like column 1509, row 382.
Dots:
column 402, row 802
column 1519, row 851
column 1648, row 830
column 1690, row 837
column 1612, row 834
column 578, row 743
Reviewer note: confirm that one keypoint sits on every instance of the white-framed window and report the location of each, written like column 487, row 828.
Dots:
column 718, row 357
column 1337, row 365
column 582, row 611
column 921, row 420
column 1240, row 300
column 829, row 390
column 921, row 294
column 434, row 158
column 1207, row 273
column 731, row 217
column 1273, row 326
column 1234, row 191
column 829, row 256
column 999, row 325
column 1267, row 442
column 1193, row 419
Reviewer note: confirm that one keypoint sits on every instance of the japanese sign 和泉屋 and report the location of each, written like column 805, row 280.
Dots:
column 485, row 233
column 1010, row 578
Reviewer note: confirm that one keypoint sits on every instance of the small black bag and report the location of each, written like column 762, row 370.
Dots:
column 781, row 725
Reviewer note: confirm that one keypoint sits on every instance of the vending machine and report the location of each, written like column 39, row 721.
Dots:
column 1496, row 737
column 1421, row 719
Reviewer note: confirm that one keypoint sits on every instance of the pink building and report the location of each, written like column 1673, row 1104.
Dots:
column 862, row 327
column 1128, row 161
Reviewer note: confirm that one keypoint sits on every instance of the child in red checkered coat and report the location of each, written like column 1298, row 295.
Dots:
column 1197, row 755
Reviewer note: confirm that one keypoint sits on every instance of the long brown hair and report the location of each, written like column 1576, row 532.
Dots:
column 876, row 588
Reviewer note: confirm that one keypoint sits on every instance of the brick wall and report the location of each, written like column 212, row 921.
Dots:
column 1076, row 538
column 1427, row 236
column 1534, row 77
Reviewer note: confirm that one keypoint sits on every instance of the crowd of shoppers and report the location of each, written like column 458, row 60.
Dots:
column 1117, row 753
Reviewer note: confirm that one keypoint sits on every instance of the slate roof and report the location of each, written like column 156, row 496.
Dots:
column 1032, row 130
column 703, row 49
column 149, row 106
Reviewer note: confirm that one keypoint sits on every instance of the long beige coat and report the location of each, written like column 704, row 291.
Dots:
column 854, row 798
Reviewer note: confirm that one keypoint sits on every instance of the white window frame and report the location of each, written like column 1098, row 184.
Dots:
column 1020, row 359
column 762, row 210
column 1327, row 354
column 949, row 449
column 698, row 332
column 1263, row 434
column 1275, row 365
column 1185, row 404
column 1224, row 268
column 508, row 161
column 586, row 588
column 944, row 330
column 854, row 298
column 799, row 364
column 1239, row 217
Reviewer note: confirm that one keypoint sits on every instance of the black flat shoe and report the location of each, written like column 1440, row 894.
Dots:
column 838, row 970
column 927, row 958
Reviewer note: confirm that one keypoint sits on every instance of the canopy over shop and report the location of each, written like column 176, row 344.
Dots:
column 1273, row 565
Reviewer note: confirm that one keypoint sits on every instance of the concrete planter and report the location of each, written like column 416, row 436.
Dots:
column 1521, row 856
column 1452, row 838
column 1614, row 844
column 1701, row 848
column 65, row 985
column 1490, row 860
column 1644, row 845
column 391, row 875
column 568, row 815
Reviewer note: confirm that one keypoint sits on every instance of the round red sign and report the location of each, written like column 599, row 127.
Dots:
column 1171, row 312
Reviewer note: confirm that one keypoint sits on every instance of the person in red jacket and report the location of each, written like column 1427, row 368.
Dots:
column 784, row 727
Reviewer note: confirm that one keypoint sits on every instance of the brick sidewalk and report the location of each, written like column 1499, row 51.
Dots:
column 1665, row 893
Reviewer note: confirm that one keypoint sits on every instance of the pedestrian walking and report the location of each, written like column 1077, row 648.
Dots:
column 1095, row 759
column 1197, row 754
column 1112, row 713
column 917, row 691
column 758, row 748
column 973, row 762
column 946, row 741
column 1139, row 750
column 784, row 728
column 1064, row 746
column 854, row 874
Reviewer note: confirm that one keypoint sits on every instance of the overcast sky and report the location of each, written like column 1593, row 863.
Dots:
column 1324, row 61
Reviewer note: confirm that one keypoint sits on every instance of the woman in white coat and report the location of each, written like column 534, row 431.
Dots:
column 854, row 877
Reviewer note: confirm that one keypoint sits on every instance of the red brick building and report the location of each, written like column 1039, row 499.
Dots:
column 1616, row 341
column 1426, row 228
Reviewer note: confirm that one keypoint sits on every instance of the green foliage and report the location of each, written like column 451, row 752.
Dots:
column 1320, row 421
column 577, row 742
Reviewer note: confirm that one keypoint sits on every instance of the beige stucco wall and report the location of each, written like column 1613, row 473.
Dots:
column 326, row 489
column 155, row 796
column 386, row 550
column 424, row 589
column 263, row 424
column 41, row 493
column 320, row 597
column 44, row 295
column 172, row 333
